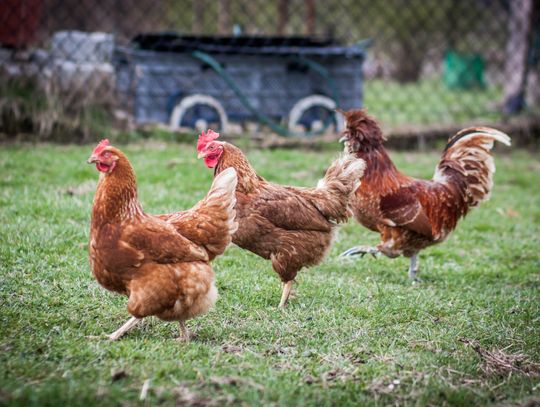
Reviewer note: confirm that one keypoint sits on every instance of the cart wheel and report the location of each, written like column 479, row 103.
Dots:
column 314, row 113
column 200, row 112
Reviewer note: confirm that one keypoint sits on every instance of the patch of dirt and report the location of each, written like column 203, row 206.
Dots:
column 384, row 385
column 234, row 381
column 4, row 396
column 390, row 385
column 187, row 397
column 189, row 393
column 279, row 350
column 231, row 348
column 81, row 189
column 357, row 358
column 118, row 375
column 427, row 345
column 338, row 374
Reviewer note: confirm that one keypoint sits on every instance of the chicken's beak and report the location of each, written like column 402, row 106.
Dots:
column 201, row 155
column 92, row 159
column 343, row 139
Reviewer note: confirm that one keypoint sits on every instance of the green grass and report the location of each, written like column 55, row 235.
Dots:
column 429, row 101
column 352, row 327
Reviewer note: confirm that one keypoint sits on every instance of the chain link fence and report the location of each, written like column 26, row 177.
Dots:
column 70, row 69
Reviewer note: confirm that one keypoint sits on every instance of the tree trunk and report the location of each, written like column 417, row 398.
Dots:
column 517, row 49
column 198, row 16
column 311, row 16
column 409, row 58
column 283, row 16
column 533, row 79
column 224, row 17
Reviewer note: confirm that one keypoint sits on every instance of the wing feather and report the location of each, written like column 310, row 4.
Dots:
column 160, row 242
column 287, row 209
column 402, row 208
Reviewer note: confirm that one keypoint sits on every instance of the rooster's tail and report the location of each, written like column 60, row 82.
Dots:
column 342, row 178
column 467, row 162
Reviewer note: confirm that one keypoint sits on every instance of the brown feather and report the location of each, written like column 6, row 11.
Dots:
column 293, row 227
column 412, row 214
column 160, row 262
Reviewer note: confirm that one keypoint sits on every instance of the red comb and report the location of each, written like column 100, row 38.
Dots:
column 205, row 138
column 100, row 147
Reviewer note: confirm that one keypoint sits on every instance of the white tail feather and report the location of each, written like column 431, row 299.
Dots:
column 464, row 157
column 345, row 167
column 485, row 131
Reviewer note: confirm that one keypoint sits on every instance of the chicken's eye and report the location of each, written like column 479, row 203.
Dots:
column 106, row 154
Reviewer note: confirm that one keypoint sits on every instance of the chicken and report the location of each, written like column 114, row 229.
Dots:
column 412, row 214
column 292, row 227
column 161, row 263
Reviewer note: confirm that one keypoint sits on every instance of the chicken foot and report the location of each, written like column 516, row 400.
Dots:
column 285, row 293
column 124, row 328
column 360, row 250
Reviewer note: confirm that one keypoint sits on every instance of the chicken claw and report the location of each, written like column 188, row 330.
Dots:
column 360, row 250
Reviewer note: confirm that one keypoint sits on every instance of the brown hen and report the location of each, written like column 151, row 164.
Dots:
column 161, row 263
column 412, row 214
column 292, row 227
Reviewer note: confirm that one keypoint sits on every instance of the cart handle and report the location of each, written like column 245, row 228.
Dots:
column 322, row 71
column 282, row 131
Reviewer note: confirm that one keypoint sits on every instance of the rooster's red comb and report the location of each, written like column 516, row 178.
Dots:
column 205, row 138
column 100, row 147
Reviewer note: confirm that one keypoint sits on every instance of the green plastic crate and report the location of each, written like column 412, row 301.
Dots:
column 464, row 71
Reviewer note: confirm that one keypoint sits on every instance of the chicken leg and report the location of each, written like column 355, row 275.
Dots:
column 413, row 269
column 285, row 294
column 124, row 328
column 361, row 250
column 184, row 333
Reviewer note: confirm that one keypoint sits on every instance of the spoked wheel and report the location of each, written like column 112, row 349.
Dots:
column 199, row 112
column 314, row 114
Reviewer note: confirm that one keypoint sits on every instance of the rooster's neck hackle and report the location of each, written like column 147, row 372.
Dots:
column 365, row 140
column 232, row 156
column 116, row 195
column 363, row 131
column 380, row 170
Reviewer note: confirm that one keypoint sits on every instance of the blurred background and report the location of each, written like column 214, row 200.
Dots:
column 76, row 70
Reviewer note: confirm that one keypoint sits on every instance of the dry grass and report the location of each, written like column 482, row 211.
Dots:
column 498, row 362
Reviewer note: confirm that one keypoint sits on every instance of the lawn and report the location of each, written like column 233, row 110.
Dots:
column 429, row 101
column 355, row 332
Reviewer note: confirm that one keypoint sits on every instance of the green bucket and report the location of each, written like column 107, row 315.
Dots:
column 463, row 71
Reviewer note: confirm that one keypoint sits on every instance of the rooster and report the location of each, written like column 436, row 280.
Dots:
column 161, row 263
column 292, row 227
column 412, row 214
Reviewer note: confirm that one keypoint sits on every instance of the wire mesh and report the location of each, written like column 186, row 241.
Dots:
column 187, row 63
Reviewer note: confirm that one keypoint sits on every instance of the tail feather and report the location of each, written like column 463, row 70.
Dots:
column 333, row 191
column 468, row 163
column 220, row 202
column 471, row 132
column 212, row 222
